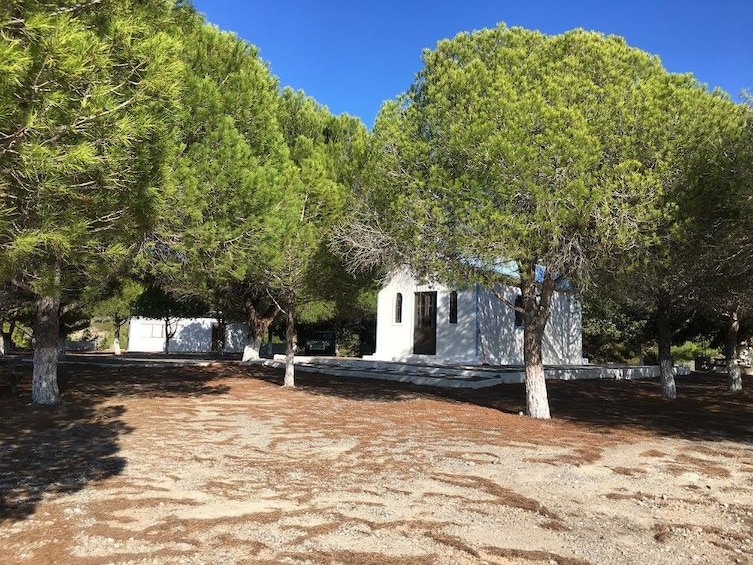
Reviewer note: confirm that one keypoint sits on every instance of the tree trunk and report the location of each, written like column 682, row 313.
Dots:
column 666, row 364
column 168, row 336
column 252, row 348
column 44, row 384
column 221, row 335
column 735, row 378
column 116, row 339
column 258, row 325
column 537, row 400
column 8, row 338
column 535, row 316
column 336, row 335
column 290, row 342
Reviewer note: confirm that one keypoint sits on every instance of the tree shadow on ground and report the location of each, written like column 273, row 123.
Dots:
column 103, row 382
column 704, row 410
column 51, row 451
column 46, row 452
column 351, row 388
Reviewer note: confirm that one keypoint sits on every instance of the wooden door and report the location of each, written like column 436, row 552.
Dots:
column 425, row 324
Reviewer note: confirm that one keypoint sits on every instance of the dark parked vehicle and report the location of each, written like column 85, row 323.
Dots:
column 320, row 343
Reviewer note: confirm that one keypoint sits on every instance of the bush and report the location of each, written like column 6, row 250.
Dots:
column 688, row 351
column 105, row 343
column 349, row 343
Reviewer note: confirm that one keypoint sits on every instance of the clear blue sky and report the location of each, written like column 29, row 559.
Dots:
column 351, row 55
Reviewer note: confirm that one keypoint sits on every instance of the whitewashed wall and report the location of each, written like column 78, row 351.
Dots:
column 501, row 342
column 485, row 331
column 193, row 335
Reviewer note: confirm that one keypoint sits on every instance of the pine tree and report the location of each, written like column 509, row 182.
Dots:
column 326, row 153
column 86, row 94
column 228, row 179
column 526, row 159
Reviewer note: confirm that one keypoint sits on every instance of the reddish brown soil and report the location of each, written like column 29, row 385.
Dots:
column 222, row 465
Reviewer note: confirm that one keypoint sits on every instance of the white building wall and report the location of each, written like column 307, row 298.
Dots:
column 563, row 337
column 456, row 342
column 500, row 342
column 394, row 340
column 193, row 335
column 485, row 331
column 146, row 335
column 235, row 337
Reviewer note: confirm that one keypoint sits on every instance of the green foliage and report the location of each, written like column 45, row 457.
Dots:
column 718, row 208
column 696, row 261
column 74, row 320
column 116, row 301
column 22, row 336
column 213, row 240
column 326, row 153
column 86, row 96
column 614, row 331
column 515, row 145
column 261, row 177
column 155, row 302
column 686, row 352
column 512, row 150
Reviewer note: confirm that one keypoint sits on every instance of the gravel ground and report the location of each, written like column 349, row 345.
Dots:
column 220, row 464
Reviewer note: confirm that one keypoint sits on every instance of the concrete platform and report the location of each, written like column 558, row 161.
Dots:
column 457, row 376
column 428, row 374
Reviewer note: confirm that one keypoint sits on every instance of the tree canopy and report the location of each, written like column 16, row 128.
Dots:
column 325, row 152
column 514, row 146
column 134, row 129
column 213, row 239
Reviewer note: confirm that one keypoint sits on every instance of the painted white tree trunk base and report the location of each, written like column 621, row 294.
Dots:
column 116, row 346
column 44, row 389
column 291, row 340
column 537, row 399
column 251, row 350
column 735, row 377
column 289, row 371
column 668, row 387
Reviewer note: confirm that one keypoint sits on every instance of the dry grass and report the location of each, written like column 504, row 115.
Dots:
column 629, row 471
column 534, row 556
column 501, row 495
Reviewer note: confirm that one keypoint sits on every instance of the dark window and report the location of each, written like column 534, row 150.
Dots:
column 399, row 308
column 453, row 307
column 519, row 311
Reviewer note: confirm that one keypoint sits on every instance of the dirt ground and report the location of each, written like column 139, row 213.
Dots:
column 222, row 465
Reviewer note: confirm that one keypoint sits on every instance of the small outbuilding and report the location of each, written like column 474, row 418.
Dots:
column 192, row 335
column 423, row 321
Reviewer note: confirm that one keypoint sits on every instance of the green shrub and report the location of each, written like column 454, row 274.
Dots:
column 685, row 353
column 106, row 342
